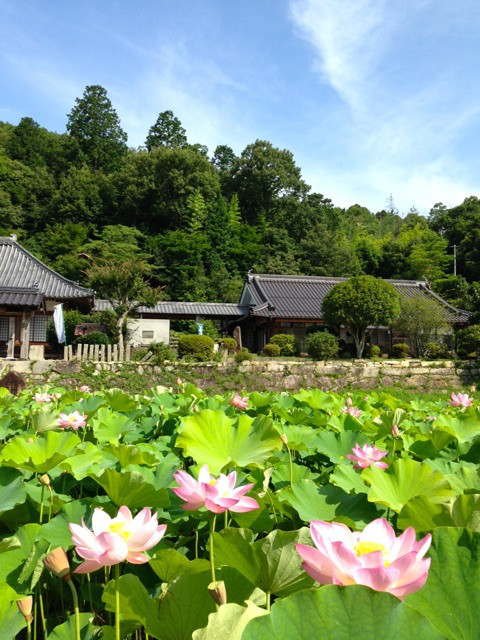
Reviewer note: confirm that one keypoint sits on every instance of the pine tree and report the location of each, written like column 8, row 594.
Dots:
column 94, row 123
column 166, row 132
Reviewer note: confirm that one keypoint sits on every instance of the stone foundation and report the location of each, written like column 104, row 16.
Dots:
column 261, row 374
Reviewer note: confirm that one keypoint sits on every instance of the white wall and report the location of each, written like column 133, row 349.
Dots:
column 147, row 330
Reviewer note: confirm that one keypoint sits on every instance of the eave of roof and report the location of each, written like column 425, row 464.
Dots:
column 189, row 309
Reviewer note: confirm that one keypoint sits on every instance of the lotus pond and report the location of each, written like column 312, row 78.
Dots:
column 177, row 515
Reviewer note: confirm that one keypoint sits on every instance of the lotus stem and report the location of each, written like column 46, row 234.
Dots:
column 226, row 519
column 42, row 613
column 50, row 509
column 117, row 602
column 90, row 598
column 29, row 630
column 35, row 617
column 196, row 544
column 291, row 465
column 267, row 600
column 42, row 496
column 212, row 555
column 75, row 607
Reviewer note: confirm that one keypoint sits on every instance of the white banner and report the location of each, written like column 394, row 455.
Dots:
column 59, row 323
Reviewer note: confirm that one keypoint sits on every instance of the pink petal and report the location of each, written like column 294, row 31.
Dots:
column 401, row 590
column 88, row 566
column 403, row 544
column 82, row 536
column 155, row 538
column 316, row 564
column 214, row 508
column 345, row 559
column 100, row 521
column 241, row 491
column 116, row 549
column 421, row 547
column 245, row 504
column 380, row 465
column 204, row 474
column 379, row 530
column 125, row 513
column 137, row 558
column 380, row 578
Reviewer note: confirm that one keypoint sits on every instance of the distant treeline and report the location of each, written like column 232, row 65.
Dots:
column 203, row 219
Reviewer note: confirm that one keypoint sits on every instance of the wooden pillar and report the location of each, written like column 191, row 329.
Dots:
column 11, row 338
column 25, row 335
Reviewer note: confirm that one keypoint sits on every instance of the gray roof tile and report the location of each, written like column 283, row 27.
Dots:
column 204, row 309
column 19, row 269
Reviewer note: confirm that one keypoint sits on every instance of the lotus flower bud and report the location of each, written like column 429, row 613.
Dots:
column 57, row 563
column 395, row 431
column 30, row 440
column 218, row 592
column 195, row 407
column 473, row 388
column 284, row 438
column 349, row 401
column 45, row 480
column 25, row 607
column 179, row 382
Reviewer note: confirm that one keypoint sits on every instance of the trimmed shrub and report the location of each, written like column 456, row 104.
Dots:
column 96, row 337
column 322, row 345
column 271, row 350
column 436, row 350
column 400, row 350
column 161, row 352
column 314, row 328
column 199, row 348
column 373, row 351
column 468, row 341
column 287, row 342
column 243, row 356
column 229, row 344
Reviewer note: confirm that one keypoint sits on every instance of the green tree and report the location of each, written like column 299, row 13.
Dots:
column 166, row 132
column 95, row 125
column 27, row 143
column 196, row 211
column 125, row 286
column 420, row 320
column 359, row 303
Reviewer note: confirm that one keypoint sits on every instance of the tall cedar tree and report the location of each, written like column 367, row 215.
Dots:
column 94, row 123
column 166, row 132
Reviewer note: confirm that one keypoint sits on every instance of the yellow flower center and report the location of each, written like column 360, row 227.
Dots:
column 361, row 548
column 119, row 527
column 212, row 482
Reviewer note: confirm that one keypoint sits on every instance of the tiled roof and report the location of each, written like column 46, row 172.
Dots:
column 283, row 296
column 20, row 270
column 21, row 297
column 203, row 309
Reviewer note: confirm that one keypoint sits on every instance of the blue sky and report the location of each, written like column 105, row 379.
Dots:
column 372, row 96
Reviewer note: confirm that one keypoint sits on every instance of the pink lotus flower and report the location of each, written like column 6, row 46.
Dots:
column 239, row 402
column 366, row 456
column 218, row 495
column 460, row 400
column 74, row 420
column 431, row 418
column 374, row 557
column 85, row 388
column 56, row 396
column 353, row 411
column 42, row 397
column 114, row 540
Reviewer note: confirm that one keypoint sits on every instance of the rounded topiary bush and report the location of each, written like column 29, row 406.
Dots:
column 373, row 351
column 468, row 341
column 96, row 337
column 229, row 344
column 271, row 350
column 199, row 348
column 322, row 345
column 400, row 350
column 243, row 356
column 289, row 345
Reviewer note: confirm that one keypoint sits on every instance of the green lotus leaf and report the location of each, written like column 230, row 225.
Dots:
column 168, row 564
column 463, row 426
column 66, row 631
column 450, row 598
column 229, row 622
column 131, row 489
column 272, row 564
column 57, row 532
column 341, row 613
column 109, row 426
column 337, row 446
column 211, row 437
column 12, row 489
column 402, row 481
column 11, row 620
column 42, row 454
column 118, row 400
column 329, row 503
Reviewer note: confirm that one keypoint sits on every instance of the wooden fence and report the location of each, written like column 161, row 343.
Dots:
column 97, row 352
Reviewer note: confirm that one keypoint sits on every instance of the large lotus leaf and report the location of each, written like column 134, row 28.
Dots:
column 430, row 447
column 300, row 438
column 88, row 457
column 461, row 475
column 66, row 631
column 11, row 620
column 20, row 565
column 45, row 419
column 211, row 437
column 131, row 489
column 328, row 503
column 281, row 474
column 42, row 453
column 463, row 426
column 12, row 489
column 168, row 564
column 348, row 479
column 140, row 453
column 229, row 622
column 466, row 511
column 337, row 446
column 182, row 609
column 450, row 598
column 118, row 400
column 423, row 515
column 341, row 613
column 109, row 426
column 404, row 480
column 271, row 564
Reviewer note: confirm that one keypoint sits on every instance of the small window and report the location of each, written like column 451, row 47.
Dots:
column 38, row 329
column 148, row 335
column 3, row 328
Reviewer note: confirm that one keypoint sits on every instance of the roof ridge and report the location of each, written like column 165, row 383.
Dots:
column 279, row 276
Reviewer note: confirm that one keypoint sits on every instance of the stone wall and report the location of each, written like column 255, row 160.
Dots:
column 261, row 374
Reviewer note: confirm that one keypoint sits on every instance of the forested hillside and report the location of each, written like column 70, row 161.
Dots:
column 202, row 218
